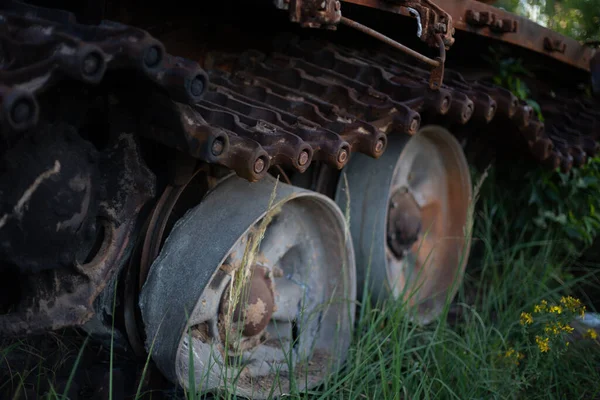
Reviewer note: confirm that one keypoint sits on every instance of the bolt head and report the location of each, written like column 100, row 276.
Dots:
column 303, row 159
column 491, row 112
column 197, row 86
column 21, row 111
column 152, row 57
column 445, row 104
column 414, row 124
column 343, row 156
column 259, row 165
column 217, row 147
column 91, row 64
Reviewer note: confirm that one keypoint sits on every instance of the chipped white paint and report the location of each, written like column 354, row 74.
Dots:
column 22, row 203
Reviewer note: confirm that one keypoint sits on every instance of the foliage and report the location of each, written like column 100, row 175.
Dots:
column 478, row 349
column 579, row 19
column 537, row 200
column 541, row 199
column 508, row 71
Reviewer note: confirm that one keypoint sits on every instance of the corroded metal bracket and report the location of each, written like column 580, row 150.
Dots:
column 485, row 20
column 433, row 21
column 435, row 27
column 437, row 73
column 313, row 13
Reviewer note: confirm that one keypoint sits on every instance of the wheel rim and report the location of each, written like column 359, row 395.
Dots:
column 292, row 300
column 409, row 217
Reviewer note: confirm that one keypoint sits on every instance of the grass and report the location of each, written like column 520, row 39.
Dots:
column 477, row 350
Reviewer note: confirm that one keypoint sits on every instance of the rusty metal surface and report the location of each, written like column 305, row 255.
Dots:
column 322, row 82
column 434, row 21
column 484, row 19
column 60, row 297
column 391, row 42
column 437, row 73
column 312, row 13
column 308, row 101
column 404, row 222
column 173, row 203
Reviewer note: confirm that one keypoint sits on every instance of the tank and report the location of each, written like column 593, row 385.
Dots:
column 217, row 185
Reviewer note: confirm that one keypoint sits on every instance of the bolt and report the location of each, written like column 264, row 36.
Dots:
column 197, row 86
column 468, row 112
column 91, row 64
column 259, row 165
column 439, row 27
column 343, row 156
column 152, row 57
column 303, row 159
column 473, row 16
column 491, row 112
column 414, row 124
column 445, row 104
column 218, row 146
column 21, row 111
column 379, row 146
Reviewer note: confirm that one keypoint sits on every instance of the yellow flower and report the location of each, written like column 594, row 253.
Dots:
column 557, row 327
column 567, row 328
column 591, row 334
column 556, row 309
column 570, row 303
column 515, row 356
column 526, row 318
column 540, row 308
column 543, row 343
column 552, row 329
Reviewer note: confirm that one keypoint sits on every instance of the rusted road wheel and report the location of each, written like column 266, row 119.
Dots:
column 408, row 219
column 250, row 298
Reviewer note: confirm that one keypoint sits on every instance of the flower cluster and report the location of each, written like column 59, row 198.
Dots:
column 542, row 343
column 552, row 321
column 513, row 356
column 591, row 334
column 573, row 305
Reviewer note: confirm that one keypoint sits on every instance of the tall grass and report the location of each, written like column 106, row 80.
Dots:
column 466, row 353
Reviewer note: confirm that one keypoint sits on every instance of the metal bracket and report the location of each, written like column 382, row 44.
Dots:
column 313, row 13
column 432, row 19
column 437, row 73
column 434, row 27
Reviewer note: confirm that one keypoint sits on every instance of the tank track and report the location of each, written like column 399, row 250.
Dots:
column 308, row 101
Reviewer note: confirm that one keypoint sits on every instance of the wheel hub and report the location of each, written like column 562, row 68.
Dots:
column 404, row 222
column 256, row 305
